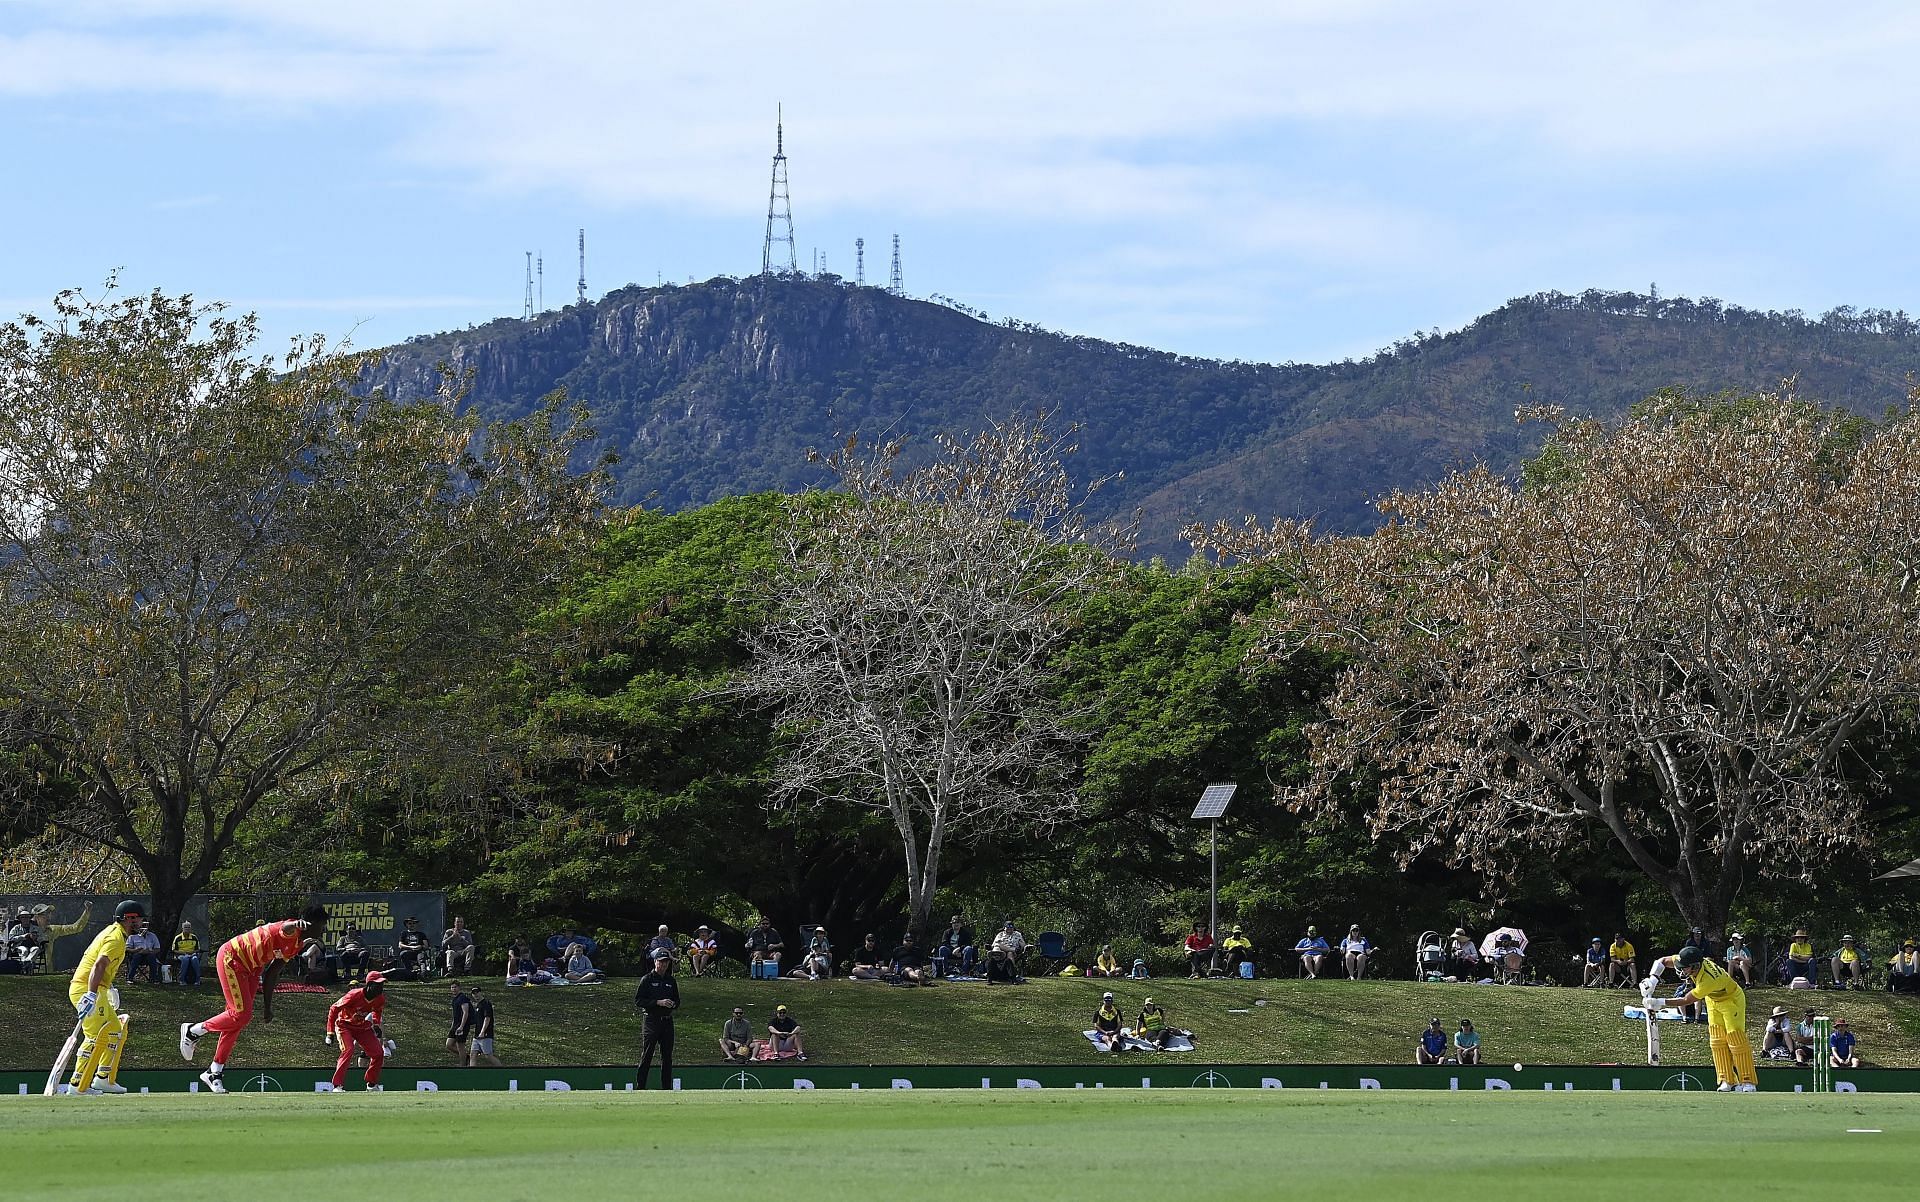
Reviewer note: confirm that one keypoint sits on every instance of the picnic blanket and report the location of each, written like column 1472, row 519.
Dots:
column 1666, row 1014
column 1133, row 1043
column 763, row 1050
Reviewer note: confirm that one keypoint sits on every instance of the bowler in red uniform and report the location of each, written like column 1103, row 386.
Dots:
column 246, row 964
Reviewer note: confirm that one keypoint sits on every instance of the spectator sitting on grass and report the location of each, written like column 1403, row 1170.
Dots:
column 1622, row 966
column 868, row 960
column 909, row 961
column 1840, row 1046
column 1107, row 1035
column 558, row 943
column 1104, row 965
column 1432, row 1048
column 736, row 1038
column 1739, row 959
column 1354, row 950
column 1313, row 952
column 1903, row 970
column 1594, row 975
column 520, row 961
column 1152, row 1025
column 1508, row 958
column 1777, row 1042
column 1849, row 965
column 1804, row 1040
column 783, row 1033
column 1466, row 1043
column 1199, row 949
column 702, row 950
column 456, row 948
column 579, row 967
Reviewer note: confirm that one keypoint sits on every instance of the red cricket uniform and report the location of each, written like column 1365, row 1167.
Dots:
column 355, row 1018
column 239, row 965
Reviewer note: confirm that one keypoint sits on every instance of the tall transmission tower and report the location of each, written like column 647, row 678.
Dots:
column 540, row 275
column 859, row 262
column 893, row 283
column 779, row 207
column 583, row 266
column 526, row 313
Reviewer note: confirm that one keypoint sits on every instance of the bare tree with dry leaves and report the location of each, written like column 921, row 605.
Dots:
column 1676, row 629
column 907, row 659
column 226, row 581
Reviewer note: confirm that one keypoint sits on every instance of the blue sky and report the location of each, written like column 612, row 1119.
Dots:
column 1265, row 181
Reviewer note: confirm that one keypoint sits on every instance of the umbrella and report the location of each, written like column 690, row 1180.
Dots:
column 1493, row 936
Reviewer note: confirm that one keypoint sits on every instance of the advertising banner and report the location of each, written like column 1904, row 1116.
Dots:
column 380, row 917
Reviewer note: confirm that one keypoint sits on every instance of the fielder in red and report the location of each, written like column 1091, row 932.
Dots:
column 355, row 1021
column 245, row 965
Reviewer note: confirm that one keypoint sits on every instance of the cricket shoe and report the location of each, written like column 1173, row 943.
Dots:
column 215, row 1082
column 102, row 1085
column 187, row 1041
column 1723, row 1087
column 376, row 1089
column 76, row 1092
column 326, row 1087
column 1746, row 1087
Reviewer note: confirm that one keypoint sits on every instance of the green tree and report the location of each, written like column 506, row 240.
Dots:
column 226, row 580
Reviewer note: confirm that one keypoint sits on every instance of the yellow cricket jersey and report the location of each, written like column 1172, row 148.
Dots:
column 111, row 945
column 1713, row 983
column 1620, row 951
column 1800, row 950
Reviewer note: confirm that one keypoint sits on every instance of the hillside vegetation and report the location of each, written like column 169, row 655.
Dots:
column 720, row 388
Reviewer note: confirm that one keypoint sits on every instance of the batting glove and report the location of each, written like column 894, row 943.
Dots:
column 88, row 1001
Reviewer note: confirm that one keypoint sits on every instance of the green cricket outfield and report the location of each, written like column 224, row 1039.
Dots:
column 1114, row 1146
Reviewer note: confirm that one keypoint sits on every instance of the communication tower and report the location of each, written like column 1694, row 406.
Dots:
column 893, row 283
column 526, row 311
column 540, row 285
column 859, row 262
column 779, row 209
column 583, row 266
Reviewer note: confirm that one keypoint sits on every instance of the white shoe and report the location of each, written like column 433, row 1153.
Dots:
column 74, row 1091
column 1746, row 1087
column 102, row 1085
column 187, row 1041
column 215, row 1082
column 1724, row 1087
column 326, row 1087
column 376, row 1089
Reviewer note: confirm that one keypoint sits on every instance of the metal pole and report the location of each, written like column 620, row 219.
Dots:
column 1213, row 889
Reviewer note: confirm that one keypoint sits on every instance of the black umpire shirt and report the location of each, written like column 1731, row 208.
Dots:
column 656, row 988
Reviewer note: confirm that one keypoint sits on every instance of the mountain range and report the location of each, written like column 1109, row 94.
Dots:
column 719, row 388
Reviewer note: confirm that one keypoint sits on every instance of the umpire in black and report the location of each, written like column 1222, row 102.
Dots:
column 658, row 997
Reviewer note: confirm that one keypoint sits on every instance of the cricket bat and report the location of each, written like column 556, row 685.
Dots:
column 60, row 1065
column 1653, row 1026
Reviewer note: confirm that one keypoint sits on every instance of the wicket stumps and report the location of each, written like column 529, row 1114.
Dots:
column 1822, row 1063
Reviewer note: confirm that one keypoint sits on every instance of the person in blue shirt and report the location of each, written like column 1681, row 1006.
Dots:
column 1466, row 1043
column 1433, row 1045
column 1596, row 973
column 1840, row 1045
column 1313, row 952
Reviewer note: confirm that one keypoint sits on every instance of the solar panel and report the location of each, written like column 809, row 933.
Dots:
column 1213, row 802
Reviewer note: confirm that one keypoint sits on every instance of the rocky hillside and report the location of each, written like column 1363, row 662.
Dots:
column 713, row 389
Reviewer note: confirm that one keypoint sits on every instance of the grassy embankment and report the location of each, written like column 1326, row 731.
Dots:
column 1039, row 1023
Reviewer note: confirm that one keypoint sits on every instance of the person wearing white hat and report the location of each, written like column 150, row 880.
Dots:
column 1849, row 965
column 1739, row 958
column 701, row 950
column 1107, row 1035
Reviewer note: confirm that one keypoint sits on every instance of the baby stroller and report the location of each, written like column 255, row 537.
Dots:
column 1429, row 957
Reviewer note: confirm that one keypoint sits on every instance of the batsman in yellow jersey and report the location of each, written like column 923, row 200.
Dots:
column 105, row 1035
column 1726, row 1016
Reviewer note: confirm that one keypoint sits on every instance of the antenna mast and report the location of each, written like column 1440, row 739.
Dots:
column 859, row 262
column 526, row 310
column 893, row 284
column 540, row 274
column 779, row 208
column 583, row 266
